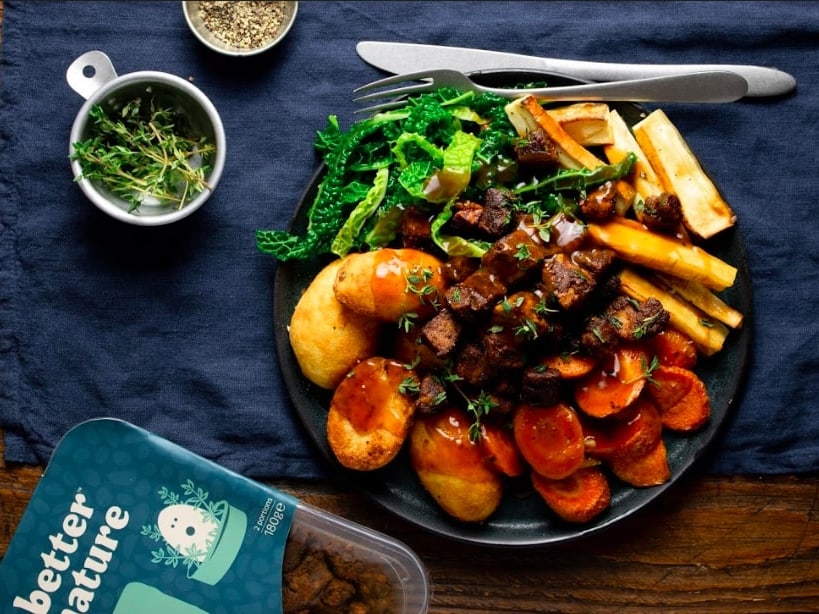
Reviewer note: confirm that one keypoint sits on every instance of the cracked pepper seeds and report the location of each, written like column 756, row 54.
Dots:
column 244, row 24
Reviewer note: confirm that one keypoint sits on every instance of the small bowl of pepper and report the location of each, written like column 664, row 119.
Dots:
column 147, row 147
column 240, row 27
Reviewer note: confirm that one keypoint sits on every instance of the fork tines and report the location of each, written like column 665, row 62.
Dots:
column 425, row 84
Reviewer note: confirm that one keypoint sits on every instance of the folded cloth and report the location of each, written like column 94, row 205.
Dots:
column 172, row 328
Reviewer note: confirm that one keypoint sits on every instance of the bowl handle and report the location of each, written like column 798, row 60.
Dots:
column 90, row 72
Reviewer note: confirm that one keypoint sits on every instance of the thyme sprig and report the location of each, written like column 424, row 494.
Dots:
column 144, row 155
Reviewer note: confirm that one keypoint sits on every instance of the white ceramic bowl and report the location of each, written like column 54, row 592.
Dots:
column 191, row 9
column 92, row 75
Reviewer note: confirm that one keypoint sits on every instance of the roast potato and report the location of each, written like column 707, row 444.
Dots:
column 409, row 347
column 452, row 468
column 369, row 414
column 387, row 284
column 328, row 338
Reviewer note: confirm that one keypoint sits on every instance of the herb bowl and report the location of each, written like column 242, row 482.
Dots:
column 93, row 77
column 239, row 28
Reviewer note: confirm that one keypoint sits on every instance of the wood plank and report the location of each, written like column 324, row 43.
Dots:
column 709, row 544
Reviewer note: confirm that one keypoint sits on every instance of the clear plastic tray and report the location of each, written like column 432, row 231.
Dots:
column 124, row 521
column 387, row 576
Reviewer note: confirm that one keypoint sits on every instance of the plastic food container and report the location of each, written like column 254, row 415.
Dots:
column 126, row 522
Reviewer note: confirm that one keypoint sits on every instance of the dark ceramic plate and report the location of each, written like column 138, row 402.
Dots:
column 522, row 519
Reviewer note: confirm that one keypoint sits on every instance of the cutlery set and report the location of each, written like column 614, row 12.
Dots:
column 706, row 86
column 437, row 66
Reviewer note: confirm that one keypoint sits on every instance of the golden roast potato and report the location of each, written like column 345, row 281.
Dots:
column 388, row 283
column 452, row 468
column 369, row 415
column 327, row 337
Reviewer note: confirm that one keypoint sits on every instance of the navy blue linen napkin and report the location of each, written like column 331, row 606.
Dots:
column 171, row 328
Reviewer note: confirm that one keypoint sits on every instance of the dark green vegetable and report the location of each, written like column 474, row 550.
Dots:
column 579, row 179
column 410, row 141
column 437, row 148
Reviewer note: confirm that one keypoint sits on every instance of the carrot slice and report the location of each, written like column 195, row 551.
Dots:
column 615, row 385
column 580, row 497
column 633, row 432
column 500, row 451
column 549, row 438
column 650, row 469
column 570, row 366
column 681, row 397
column 674, row 348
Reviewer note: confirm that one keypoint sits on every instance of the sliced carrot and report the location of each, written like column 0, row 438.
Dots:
column 615, row 384
column 570, row 366
column 650, row 469
column 633, row 432
column 580, row 497
column 549, row 438
column 681, row 397
column 500, row 451
column 674, row 348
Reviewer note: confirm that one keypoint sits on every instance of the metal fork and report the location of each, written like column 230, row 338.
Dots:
column 704, row 87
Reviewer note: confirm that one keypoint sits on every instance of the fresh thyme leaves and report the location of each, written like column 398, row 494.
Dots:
column 407, row 321
column 409, row 385
column 650, row 368
column 418, row 281
column 478, row 408
column 144, row 155
column 645, row 325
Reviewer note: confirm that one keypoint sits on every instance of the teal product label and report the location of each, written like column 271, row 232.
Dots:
column 126, row 522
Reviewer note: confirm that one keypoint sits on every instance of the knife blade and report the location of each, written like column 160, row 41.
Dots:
column 401, row 58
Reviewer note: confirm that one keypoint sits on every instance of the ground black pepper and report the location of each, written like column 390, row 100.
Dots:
column 244, row 24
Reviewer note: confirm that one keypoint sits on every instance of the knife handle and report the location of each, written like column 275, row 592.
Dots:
column 761, row 80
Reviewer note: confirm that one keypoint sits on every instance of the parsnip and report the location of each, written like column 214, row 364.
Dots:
column 586, row 122
column 527, row 118
column 708, row 335
column 705, row 212
column 702, row 298
column 633, row 242
column 574, row 153
column 645, row 180
column 527, row 114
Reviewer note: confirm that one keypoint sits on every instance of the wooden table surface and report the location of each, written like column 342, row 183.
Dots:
column 709, row 544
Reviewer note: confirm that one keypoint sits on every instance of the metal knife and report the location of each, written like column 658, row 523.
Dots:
column 401, row 58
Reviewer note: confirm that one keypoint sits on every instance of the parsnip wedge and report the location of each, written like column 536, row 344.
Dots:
column 586, row 122
column 573, row 154
column 633, row 242
column 527, row 114
column 705, row 212
column 701, row 297
column 708, row 335
column 645, row 180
